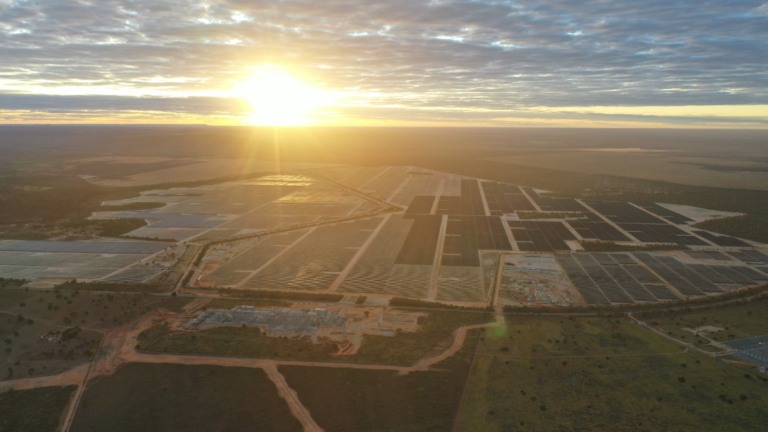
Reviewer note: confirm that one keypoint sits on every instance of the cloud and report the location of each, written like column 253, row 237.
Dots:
column 457, row 56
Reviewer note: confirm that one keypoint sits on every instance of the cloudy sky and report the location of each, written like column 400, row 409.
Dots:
column 653, row 63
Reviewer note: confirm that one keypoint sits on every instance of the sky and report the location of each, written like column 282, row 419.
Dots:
column 649, row 63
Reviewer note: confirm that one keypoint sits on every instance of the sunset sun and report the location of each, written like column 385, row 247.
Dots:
column 278, row 98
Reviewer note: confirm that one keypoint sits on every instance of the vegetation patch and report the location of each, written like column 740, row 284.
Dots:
column 106, row 286
column 233, row 342
column 435, row 334
column 734, row 321
column 38, row 328
column 139, row 205
column 751, row 226
column 11, row 283
column 36, row 410
column 603, row 374
column 281, row 295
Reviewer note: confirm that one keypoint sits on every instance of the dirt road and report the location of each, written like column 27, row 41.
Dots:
column 286, row 392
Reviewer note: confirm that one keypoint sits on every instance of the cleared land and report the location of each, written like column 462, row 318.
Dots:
column 148, row 397
column 361, row 400
column 36, row 410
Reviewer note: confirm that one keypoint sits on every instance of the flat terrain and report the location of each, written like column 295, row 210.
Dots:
column 144, row 397
column 360, row 400
column 603, row 374
column 49, row 331
column 435, row 334
column 683, row 166
column 36, row 410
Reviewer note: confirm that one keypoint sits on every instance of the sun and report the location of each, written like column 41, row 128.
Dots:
column 278, row 98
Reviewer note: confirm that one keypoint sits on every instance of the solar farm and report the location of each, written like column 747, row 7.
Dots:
column 454, row 234
column 399, row 231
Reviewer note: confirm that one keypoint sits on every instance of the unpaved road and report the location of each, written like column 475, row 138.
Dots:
column 286, row 392
column 118, row 347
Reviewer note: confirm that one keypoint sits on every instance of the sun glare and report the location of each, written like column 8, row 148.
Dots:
column 279, row 98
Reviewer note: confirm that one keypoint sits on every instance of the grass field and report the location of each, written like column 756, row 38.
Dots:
column 144, row 397
column 37, row 410
column 737, row 321
column 359, row 400
column 604, row 374
column 434, row 335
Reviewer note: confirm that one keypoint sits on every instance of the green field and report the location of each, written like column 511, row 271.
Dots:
column 736, row 321
column 37, row 410
column 366, row 400
column 604, row 374
column 144, row 397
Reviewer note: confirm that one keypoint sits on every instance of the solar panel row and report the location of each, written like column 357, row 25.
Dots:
column 675, row 218
column 540, row 236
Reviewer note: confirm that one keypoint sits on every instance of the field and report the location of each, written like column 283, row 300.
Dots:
column 603, row 374
column 359, row 400
column 36, row 410
column 671, row 165
column 144, row 397
column 728, row 323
